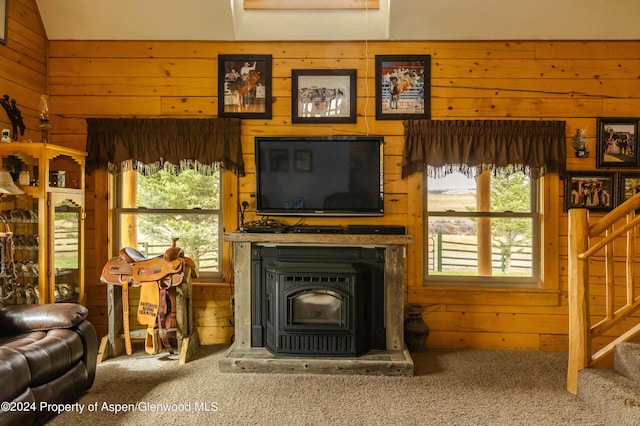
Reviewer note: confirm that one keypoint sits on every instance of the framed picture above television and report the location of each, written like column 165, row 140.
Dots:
column 403, row 87
column 244, row 86
column 323, row 96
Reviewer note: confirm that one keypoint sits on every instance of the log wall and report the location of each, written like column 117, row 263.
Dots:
column 23, row 65
column 572, row 81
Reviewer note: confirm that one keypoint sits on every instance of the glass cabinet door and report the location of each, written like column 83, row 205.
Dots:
column 19, row 250
column 66, row 223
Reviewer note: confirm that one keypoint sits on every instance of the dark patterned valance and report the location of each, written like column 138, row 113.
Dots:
column 469, row 147
column 147, row 145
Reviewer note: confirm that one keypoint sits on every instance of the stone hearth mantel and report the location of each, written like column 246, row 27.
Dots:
column 395, row 360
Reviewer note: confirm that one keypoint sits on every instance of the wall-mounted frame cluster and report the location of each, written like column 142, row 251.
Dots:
column 403, row 89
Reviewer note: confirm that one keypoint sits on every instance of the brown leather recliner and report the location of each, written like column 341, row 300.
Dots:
column 48, row 356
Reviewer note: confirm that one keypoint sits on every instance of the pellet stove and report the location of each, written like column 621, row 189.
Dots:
column 318, row 301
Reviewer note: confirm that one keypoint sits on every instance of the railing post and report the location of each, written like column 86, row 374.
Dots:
column 439, row 249
column 579, row 326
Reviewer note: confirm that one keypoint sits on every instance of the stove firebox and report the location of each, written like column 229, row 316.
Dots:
column 318, row 301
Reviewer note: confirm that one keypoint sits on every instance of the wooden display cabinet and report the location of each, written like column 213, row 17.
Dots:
column 46, row 224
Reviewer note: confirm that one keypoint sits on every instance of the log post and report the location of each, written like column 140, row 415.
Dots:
column 129, row 222
column 579, row 327
column 483, row 204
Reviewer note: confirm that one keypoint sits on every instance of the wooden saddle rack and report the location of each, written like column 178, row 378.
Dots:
column 155, row 276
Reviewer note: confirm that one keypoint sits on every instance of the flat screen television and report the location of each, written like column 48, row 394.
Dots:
column 308, row 176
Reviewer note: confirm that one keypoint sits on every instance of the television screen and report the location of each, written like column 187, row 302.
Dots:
column 335, row 176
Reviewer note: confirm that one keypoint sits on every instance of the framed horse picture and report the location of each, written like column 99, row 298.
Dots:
column 323, row 96
column 403, row 87
column 244, row 86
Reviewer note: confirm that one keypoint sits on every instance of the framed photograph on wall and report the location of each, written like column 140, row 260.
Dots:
column 592, row 190
column 629, row 186
column 323, row 96
column 3, row 21
column 244, row 86
column 403, row 87
column 617, row 142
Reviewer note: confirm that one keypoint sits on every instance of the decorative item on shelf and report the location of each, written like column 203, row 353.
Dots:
column 579, row 143
column 57, row 179
column 416, row 329
column 6, row 135
column 7, row 186
column 24, row 178
column 45, row 126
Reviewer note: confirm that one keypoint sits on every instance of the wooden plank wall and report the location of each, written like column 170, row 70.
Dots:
column 572, row 81
column 23, row 65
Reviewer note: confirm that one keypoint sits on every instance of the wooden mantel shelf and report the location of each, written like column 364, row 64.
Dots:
column 339, row 239
column 395, row 360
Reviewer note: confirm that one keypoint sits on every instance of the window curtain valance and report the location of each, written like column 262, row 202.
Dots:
column 472, row 146
column 148, row 145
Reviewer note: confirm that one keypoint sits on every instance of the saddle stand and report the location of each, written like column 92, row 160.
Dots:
column 154, row 276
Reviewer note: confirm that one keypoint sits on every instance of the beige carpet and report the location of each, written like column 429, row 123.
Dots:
column 451, row 387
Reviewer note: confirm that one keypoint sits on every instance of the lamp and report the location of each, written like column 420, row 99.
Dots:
column 45, row 126
column 579, row 143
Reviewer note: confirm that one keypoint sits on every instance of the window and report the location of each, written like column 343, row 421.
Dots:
column 153, row 209
column 309, row 4
column 483, row 230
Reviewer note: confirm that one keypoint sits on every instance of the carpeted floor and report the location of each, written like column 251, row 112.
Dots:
column 450, row 387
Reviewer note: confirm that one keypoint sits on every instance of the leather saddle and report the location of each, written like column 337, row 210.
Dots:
column 132, row 267
column 154, row 276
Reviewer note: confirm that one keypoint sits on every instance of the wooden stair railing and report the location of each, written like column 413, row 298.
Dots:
column 621, row 222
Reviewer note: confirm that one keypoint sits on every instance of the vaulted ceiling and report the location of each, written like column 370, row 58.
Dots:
column 394, row 20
